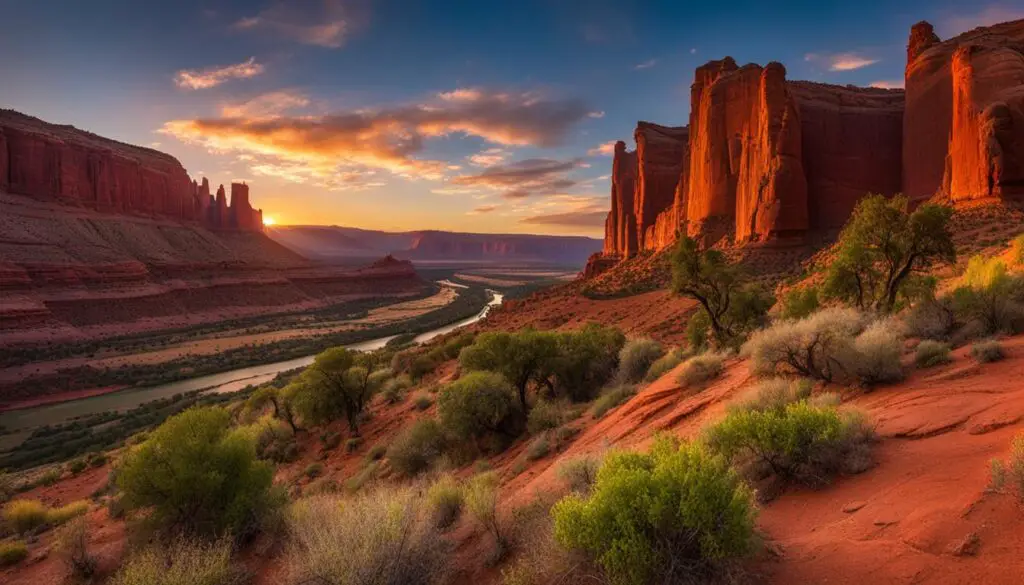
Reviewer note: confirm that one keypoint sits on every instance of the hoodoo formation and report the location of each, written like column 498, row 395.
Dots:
column 768, row 160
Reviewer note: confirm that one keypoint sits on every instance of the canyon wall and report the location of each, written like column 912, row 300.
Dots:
column 55, row 163
column 767, row 160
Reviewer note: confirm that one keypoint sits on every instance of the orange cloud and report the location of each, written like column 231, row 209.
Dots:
column 483, row 209
column 268, row 105
column 214, row 76
column 841, row 61
column 488, row 158
column 327, row 23
column 535, row 176
column 890, row 84
column 605, row 149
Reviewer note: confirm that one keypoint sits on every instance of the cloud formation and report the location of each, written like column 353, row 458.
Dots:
column 840, row 61
column 605, row 149
column 483, row 209
column 888, row 84
column 267, row 105
column 991, row 14
column 570, row 211
column 488, row 158
column 585, row 219
column 214, row 76
column 322, row 23
column 646, row 64
column 525, row 178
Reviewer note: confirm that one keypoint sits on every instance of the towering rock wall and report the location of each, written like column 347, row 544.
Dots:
column 620, row 227
column 964, row 122
column 660, row 151
column 50, row 162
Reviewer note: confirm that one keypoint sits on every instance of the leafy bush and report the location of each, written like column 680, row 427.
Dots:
column 813, row 347
column 480, row 404
column 1012, row 469
column 445, row 500
column 799, row 303
column 636, row 359
column 773, row 394
column 672, row 515
column 383, row 537
column 612, row 397
column 339, row 383
column 876, row 354
column 77, row 466
column 990, row 297
column 800, row 442
column 538, row 448
column 931, row 353
column 25, row 515
column 198, row 475
column 988, row 350
column 544, row 415
column 580, row 473
column 585, row 360
column 416, row 448
column 182, row 562
column 12, row 553
column 665, row 364
column 58, row 516
column 522, row 358
column 702, row 368
column 393, row 390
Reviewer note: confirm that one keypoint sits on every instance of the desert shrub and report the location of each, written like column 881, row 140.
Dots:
column 339, row 383
column 773, row 394
column 422, row 401
column 273, row 438
column 58, row 516
column 875, row 355
column 416, row 448
column 73, row 547
column 12, row 553
column 482, row 502
column 365, row 475
column 580, row 473
column 480, row 404
column 313, row 470
column 799, row 303
column 352, row 444
column 49, row 477
column 665, row 364
column 990, row 297
column 198, row 475
column 544, row 415
column 673, row 515
column 884, row 247
column 77, row 466
column 636, row 359
column 1017, row 250
column 182, row 562
column 932, row 318
column 393, row 389
column 383, row 537
column 522, row 358
column 611, row 397
column 445, row 500
column 376, row 452
column 813, row 347
column 23, row 516
column 988, row 350
column 538, row 448
column 585, row 360
column 702, row 368
column 800, row 442
column 931, row 353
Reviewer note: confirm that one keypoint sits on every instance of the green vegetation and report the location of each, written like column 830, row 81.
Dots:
column 479, row 405
column 522, row 358
column 1011, row 470
column 445, row 500
column 611, row 397
column 585, row 360
column 675, row 514
column 931, row 353
column 481, row 495
column 416, row 448
column 544, row 415
column 12, row 553
column 884, row 248
column 72, row 544
column 701, row 369
column 580, row 473
column 730, row 308
column 339, row 383
column 665, row 364
column 990, row 298
column 198, row 475
column 988, row 350
column 773, row 394
column 182, row 562
column 636, row 358
column 24, row 516
column 799, row 303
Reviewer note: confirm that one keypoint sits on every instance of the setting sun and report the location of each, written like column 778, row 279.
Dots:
column 269, row 220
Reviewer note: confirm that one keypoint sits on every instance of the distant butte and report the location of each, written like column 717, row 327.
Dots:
column 767, row 160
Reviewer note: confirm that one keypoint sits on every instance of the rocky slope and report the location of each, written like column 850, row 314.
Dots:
column 769, row 160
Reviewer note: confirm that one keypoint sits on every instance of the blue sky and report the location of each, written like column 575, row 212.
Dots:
column 474, row 116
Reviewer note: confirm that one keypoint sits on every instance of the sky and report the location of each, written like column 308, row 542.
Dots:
column 487, row 116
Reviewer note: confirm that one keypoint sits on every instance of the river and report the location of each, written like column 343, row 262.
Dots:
column 22, row 421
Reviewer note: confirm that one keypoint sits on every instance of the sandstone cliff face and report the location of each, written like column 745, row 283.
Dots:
column 620, row 227
column 964, row 117
column 660, row 152
column 49, row 162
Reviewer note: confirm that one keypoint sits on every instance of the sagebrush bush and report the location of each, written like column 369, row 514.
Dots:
column 72, row 544
column 773, row 394
column 24, row 515
column 544, row 415
column 416, row 448
column 813, row 347
column 701, row 369
column 612, row 397
column 12, row 553
column 800, row 442
column 481, row 495
column 445, row 500
column 580, row 473
column 393, row 390
column 1011, row 470
column 58, row 516
column 931, row 353
column 666, row 363
column 383, row 537
column 423, row 401
column 182, row 562
column 480, row 404
column 538, row 448
column 875, row 358
column 673, row 515
column 636, row 358
column 990, row 297
column 988, row 350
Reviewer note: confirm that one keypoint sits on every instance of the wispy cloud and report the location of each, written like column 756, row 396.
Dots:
column 646, row 64
column 267, row 105
column 598, row 114
column 605, row 149
column 987, row 16
column 585, row 219
column 888, row 84
column 488, row 158
column 840, row 61
column 322, row 23
column 214, row 76
column 525, row 178
column 483, row 209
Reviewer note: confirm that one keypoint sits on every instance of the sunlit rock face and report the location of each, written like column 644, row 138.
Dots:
column 620, row 227
column 660, row 151
column 964, row 122
column 50, row 162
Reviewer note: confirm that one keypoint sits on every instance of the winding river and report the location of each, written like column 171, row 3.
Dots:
column 22, row 421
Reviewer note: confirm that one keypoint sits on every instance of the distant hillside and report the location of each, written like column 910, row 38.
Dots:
column 336, row 242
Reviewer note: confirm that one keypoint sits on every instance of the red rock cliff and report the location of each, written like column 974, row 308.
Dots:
column 620, row 227
column 964, row 122
column 51, row 162
column 660, row 152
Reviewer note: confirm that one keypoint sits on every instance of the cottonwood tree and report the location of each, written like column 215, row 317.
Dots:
column 339, row 383
column 523, row 358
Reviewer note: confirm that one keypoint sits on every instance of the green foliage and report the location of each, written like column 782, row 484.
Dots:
column 198, row 475
column 538, row 448
column 800, row 442
column 773, row 394
column 988, row 350
column 990, row 297
column 666, row 363
column 585, row 360
column 12, row 553
column 23, row 516
column 698, row 328
column 480, row 404
column 799, row 303
column 672, row 515
column 702, row 368
column 338, row 384
column 636, row 358
column 544, row 415
column 58, row 516
column 416, row 448
column 422, row 401
column 931, row 353
column 580, row 473
column 77, row 466
column 482, row 502
column 611, row 397
column 393, row 389
column 882, row 246
column 313, row 470
column 731, row 308
column 183, row 562
column 522, row 357
column 445, row 500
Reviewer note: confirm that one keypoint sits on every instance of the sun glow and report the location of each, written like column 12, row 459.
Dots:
column 268, row 220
